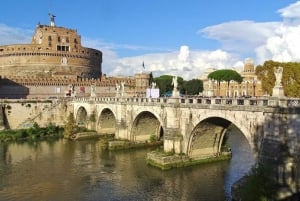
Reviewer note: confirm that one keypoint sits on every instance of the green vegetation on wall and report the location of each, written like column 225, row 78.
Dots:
column 34, row 133
column 71, row 128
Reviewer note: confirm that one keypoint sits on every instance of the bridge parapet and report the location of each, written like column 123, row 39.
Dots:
column 240, row 102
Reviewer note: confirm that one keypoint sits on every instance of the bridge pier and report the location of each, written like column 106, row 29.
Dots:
column 121, row 129
column 173, row 140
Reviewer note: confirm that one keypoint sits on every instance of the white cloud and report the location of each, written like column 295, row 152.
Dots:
column 284, row 44
column 240, row 36
column 283, row 47
column 291, row 11
column 184, row 54
column 184, row 62
column 277, row 41
column 11, row 35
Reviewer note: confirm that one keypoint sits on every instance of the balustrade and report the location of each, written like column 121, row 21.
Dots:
column 225, row 101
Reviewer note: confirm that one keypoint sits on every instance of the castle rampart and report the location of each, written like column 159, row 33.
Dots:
column 53, row 51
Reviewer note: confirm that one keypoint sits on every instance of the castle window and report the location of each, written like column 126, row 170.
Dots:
column 75, row 40
column 49, row 38
column 67, row 39
column 58, row 38
column 63, row 48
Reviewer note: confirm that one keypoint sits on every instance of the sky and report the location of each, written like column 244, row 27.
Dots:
column 173, row 37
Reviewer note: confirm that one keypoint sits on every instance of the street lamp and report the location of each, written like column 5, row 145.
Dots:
column 254, row 85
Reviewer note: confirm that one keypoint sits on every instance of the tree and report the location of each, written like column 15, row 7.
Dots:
column 225, row 75
column 265, row 73
column 70, row 128
column 192, row 87
column 164, row 83
column 290, row 77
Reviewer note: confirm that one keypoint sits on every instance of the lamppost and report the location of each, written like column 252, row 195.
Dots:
column 254, row 85
column 247, row 83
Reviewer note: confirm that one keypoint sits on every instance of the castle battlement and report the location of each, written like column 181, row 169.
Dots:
column 53, row 51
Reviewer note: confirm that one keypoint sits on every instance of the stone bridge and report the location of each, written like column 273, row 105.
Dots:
column 196, row 126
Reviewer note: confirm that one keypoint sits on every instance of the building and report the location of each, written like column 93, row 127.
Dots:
column 53, row 52
column 55, row 64
column 250, row 86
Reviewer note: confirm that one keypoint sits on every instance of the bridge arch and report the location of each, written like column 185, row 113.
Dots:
column 145, row 125
column 81, row 116
column 206, row 138
column 106, row 123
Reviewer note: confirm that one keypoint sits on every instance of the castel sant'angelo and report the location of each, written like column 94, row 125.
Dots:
column 55, row 64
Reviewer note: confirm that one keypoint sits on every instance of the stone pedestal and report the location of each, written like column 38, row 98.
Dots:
column 210, row 93
column 278, row 92
column 175, row 94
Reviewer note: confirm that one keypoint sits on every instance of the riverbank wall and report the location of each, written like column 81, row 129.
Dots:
column 23, row 113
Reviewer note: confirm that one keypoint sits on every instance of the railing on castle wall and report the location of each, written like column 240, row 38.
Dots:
column 210, row 101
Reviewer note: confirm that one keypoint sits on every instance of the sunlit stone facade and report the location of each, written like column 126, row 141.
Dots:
column 55, row 63
column 53, row 51
column 251, row 85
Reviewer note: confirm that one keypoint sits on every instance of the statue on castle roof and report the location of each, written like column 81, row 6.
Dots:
column 52, row 22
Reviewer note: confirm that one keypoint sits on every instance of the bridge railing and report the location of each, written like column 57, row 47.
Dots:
column 196, row 100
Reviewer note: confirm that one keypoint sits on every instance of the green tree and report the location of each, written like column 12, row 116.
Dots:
column 265, row 73
column 192, row 87
column 164, row 83
column 70, row 128
column 225, row 75
column 290, row 77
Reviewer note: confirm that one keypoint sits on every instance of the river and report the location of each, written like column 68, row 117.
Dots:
column 65, row 170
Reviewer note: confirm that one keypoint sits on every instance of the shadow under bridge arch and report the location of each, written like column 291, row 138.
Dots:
column 81, row 117
column 106, row 122
column 207, row 137
column 145, row 126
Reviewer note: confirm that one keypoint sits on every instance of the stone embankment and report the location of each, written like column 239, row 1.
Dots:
column 167, row 161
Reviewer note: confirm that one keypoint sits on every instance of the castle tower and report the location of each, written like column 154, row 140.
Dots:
column 54, row 51
column 142, row 82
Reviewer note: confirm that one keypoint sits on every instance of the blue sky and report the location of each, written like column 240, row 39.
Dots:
column 179, row 37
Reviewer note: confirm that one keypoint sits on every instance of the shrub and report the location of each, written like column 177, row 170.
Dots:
column 153, row 138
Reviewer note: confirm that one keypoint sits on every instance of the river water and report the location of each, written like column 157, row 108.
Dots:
column 65, row 170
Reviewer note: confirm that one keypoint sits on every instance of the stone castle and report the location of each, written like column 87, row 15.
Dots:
column 55, row 64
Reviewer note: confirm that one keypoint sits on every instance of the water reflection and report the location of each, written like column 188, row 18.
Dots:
column 81, row 170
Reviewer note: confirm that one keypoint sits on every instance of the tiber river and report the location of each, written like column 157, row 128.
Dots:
column 81, row 171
